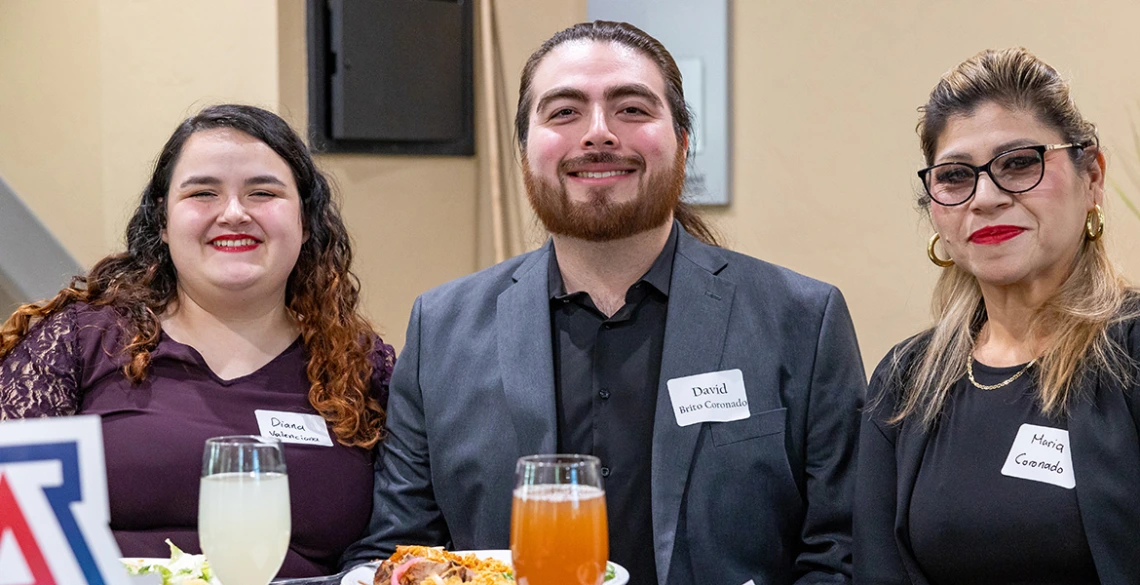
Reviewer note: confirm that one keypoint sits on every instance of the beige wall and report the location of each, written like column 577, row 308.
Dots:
column 50, row 140
column 824, row 109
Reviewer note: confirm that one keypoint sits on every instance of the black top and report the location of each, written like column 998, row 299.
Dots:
column 971, row 524
column 606, row 373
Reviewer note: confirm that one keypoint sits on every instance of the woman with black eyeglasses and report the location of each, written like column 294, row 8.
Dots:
column 1001, row 444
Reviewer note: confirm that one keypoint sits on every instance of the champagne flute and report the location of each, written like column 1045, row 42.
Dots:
column 558, row 521
column 243, row 508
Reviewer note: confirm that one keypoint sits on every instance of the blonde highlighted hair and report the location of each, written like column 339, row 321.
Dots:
column 1074, row 321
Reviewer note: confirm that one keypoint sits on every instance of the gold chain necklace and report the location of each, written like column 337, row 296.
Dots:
column 1006, row 382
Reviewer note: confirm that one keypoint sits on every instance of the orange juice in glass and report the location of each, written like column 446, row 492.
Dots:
column 558, row 521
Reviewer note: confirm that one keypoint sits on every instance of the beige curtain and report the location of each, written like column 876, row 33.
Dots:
column 511, row 226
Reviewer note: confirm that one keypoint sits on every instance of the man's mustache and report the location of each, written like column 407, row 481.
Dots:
column 601, row 158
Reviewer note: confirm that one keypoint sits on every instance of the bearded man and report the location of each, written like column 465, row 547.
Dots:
column 720, row 393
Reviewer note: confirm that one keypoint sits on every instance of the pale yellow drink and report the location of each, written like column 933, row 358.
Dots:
column 244, row 525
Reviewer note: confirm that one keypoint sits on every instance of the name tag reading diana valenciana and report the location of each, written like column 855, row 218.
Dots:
column 294, row 427
column 711, row 397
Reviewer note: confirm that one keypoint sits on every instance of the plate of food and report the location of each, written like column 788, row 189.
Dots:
column 421, row 565
column 180, row 569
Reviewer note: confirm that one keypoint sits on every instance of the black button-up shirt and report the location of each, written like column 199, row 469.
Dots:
column 606, row 372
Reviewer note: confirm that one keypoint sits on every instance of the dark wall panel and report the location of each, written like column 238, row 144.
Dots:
column 392, row 76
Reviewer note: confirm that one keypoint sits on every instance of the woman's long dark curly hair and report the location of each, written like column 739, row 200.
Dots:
column 322, row 293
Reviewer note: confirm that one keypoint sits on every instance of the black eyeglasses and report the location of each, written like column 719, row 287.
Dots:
column 1013, row 171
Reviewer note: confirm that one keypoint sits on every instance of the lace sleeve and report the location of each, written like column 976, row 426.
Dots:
column 383, row 362
column 40, row 377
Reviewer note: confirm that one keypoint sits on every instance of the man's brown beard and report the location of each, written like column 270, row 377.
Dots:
column 599, row 219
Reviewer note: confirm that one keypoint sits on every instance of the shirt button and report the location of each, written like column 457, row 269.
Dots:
column 604, row 394
column 605, row 472
column 608, row 325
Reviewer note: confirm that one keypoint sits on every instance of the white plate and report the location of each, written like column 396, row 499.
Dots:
column 145, row 561
column 360, row 574
column 364, row 573
column 153, row 577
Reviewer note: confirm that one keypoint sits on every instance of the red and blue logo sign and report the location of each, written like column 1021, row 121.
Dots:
column 53, row 505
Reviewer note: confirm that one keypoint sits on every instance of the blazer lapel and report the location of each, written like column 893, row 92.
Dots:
column 526, row 356
column 911, row 448
column 1106, row 465
column 695, row 328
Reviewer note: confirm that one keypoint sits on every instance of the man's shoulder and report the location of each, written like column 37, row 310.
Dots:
column 774, row 274
column 485, row 285
column 751, row 274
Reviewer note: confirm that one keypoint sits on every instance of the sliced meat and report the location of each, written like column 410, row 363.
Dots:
column 414, row 570
column 458, row 571
column 422, row 570
column 384, row 573
column 386, row 568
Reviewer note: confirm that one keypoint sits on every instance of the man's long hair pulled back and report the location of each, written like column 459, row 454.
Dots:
column 630, row 36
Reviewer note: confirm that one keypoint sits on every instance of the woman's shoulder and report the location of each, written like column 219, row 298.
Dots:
column 83, row 314
column 381, row 354
column 99, row 326
column 1125, row 328
column 71, row 322
column 383, row 359
column 902, row 356
column 39, row 375
column 888, row 380
column 80, row 334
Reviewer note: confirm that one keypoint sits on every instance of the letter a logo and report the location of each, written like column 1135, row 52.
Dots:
column 53, row 505
column 26, row 554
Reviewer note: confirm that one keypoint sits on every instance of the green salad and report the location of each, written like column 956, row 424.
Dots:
column 181, row 569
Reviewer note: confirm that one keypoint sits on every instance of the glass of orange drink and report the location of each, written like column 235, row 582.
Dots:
column 558, row 521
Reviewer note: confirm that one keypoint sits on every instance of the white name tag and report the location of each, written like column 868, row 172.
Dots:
column 293, row 427
column 1041, row 454
column 715, row 396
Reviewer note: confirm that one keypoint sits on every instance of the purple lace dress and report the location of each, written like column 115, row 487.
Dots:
column 154, row 433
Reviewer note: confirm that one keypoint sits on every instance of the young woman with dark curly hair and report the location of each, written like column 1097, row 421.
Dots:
column 232, row 307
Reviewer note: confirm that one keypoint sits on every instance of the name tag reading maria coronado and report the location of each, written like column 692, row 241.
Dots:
column 293, row 427
column 1041, row 454
column 715, row 396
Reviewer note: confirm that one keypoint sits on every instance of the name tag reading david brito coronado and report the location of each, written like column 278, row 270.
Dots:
column 711, row 397
column 294, row 427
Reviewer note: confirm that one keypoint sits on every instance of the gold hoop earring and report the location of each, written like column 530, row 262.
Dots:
column 934, row 257
column 1092, row 233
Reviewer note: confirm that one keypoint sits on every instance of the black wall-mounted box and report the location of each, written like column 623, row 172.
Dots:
column 392, row 76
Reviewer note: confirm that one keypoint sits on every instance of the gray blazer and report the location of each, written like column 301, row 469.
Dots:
column 767, row 498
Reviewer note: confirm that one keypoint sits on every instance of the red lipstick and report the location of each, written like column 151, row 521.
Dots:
column 995, row 234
